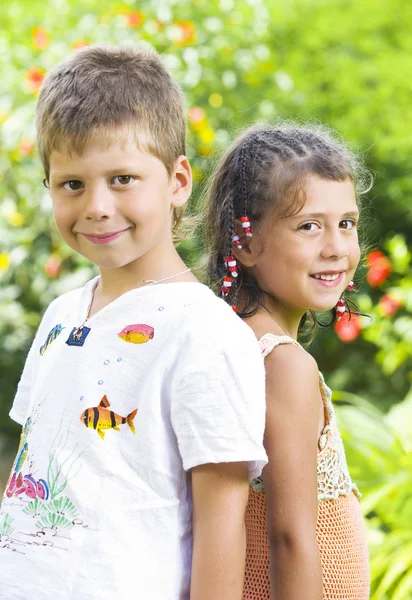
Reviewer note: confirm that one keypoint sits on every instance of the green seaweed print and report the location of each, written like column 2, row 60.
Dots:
column 59, row 473
column 59, row 513
column 6, row 527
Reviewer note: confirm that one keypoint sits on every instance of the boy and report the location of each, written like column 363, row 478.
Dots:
column 142, row 397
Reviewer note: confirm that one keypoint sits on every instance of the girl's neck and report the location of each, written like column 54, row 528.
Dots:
column 286, row 319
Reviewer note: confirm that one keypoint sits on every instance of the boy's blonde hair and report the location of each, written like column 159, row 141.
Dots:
column 101, row 90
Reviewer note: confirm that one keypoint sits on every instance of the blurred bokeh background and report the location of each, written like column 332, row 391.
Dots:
column 346, row 63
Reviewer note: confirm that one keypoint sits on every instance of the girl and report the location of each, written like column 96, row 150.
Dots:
column 281, row 228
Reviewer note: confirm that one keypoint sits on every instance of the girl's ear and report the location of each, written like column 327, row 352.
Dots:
column 251, row 249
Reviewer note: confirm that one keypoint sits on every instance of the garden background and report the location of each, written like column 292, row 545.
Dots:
column 346, row 63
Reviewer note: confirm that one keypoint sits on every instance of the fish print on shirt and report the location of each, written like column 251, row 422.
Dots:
column 51, row 336
column 136, row 334
column 101, row 418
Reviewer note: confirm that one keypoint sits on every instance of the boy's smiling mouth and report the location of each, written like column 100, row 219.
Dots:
column 103, row 238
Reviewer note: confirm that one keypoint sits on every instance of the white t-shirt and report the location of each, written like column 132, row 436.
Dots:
column 98, row 505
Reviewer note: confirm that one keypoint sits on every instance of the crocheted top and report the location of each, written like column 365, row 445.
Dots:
column 340, row 530
column 333, row 475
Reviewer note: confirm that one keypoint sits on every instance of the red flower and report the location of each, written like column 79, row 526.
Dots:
column 389, row 305
column 34, row 79
column 348, row 327
column 52, row 267
column 134, row 19
column 40, row 38
column 380, row 267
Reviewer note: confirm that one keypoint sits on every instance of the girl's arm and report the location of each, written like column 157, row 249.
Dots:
column 290, row 478
column 220, row 493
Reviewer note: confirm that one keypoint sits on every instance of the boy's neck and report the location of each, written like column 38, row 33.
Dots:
column 113, row 283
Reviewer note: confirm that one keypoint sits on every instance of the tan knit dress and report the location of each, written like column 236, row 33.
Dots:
column 340, row 529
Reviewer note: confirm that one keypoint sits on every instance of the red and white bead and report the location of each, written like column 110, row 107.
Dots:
column 227, row 284
column 231, row 264
column 340, row 308
column 246, row 226
column 351, row 286
column 236, row 241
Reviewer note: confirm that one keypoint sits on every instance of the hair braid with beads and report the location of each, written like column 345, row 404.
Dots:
column 264, row 169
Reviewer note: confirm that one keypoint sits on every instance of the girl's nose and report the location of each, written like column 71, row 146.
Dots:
column 335, row 246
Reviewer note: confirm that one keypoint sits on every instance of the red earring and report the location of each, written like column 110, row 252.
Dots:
column 341, row 305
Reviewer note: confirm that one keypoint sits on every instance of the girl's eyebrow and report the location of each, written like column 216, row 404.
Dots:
column 353, row 213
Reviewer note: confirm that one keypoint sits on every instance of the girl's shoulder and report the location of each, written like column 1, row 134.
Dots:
column 269, row 341
column 298, row 362
column 291, row 372
column 293, row 353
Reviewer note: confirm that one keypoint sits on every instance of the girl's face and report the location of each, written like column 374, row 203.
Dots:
column 307, row 260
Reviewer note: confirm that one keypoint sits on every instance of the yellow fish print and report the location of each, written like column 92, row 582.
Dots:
column 137, row 334
column 100, row 418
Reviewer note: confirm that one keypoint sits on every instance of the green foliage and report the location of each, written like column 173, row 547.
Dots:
column 379, row 451
column 343, row 62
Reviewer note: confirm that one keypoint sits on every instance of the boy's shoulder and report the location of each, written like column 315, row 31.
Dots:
column 208, row 316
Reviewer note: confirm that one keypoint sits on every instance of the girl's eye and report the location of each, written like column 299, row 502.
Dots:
column 347, row 224
column 122, row 179
column 309, row 226
column 72, row 185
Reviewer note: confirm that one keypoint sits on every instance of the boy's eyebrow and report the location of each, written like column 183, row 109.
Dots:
column 352, row 213
column 124, row 169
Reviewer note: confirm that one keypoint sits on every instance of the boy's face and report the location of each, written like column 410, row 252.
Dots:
column 114, row 204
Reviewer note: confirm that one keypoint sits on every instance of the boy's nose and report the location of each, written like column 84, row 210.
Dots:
column 98, row 204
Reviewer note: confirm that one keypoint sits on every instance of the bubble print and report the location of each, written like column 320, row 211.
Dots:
column 161, row 308
column 106, row 362
column 81, row 397
column 100, row 382
column 119, row 359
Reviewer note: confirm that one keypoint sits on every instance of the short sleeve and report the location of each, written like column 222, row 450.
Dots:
column 218, row 403
column 21, row 402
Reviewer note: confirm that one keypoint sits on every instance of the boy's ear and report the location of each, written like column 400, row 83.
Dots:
column 251, row 249
column 181, row 182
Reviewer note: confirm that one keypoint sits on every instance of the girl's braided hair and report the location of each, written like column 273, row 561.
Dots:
column 265, row 170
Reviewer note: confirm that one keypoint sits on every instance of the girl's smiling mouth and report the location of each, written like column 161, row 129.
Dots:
column 329, row 278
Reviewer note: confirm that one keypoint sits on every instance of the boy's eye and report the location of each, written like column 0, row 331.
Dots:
column 347, row 224
column 72, row 185
column 122, row 179
column 309, row 226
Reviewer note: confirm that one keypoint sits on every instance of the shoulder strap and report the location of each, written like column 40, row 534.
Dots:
column 326, row 394
column 269, row 341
